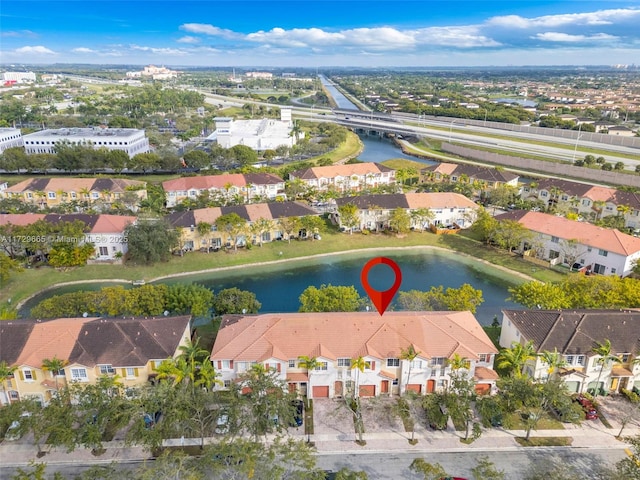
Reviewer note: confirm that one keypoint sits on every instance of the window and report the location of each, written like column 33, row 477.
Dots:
column 603, row 253
column 569, row 359
column 79, row 374
column 227, row 384
column 344, row 362
column 580, row 360
column 108, row 369
column 625, row 357
column 416, row 364
column 555, row 239
column 543, row 194
column 28, row 374
column 437, row 361
column 323, row 366
column 104, row 251
column 553, row 254
column 131, row 372
column 292, row 364
column 395, row 382
column 51, row 195
column 484, row 357
column 393, row 362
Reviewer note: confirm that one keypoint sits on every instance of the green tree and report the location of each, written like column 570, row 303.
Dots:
column 349, row 216
column 427, row 470
column 243, row 155
column 486, row 470
column 408, row 354
column 422, row 217
column 605, row 357
column 55, row 366
column 309, row 364
column 513, row 359
column 629, row 467
column 233, row 300
column 554, row 361
column 233, row 225
column 290, row 226
column 330, row 298
column 6, row 373
column 400, row 221
column 150, row 241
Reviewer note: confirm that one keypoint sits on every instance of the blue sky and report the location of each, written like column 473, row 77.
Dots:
column 320, row 33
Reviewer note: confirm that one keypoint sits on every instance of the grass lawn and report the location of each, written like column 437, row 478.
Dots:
column 31, row 281
column 545, row 441
column 514, row 422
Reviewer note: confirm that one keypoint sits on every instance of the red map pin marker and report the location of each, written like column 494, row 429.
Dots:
column 381, row 299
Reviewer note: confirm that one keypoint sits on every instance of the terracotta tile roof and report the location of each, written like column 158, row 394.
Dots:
column 409, row 201
column 91, row 341
column 344, row 170
column 73, row 184
column 20, row 218
column 588, row 234
column 297, row 377
column 574, row 332
column 484, row 373
column 219, row 181
column 112, row 223
column 386, row 374
column 442, row 168
column 349, row 335
column 250, row 212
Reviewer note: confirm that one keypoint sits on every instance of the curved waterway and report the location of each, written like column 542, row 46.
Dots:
column 278, row 286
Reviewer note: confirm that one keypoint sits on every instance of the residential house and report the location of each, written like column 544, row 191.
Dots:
column 481, row 178
column 374, row 211
column 334, row 339
column 591, row 201
column 588, row 247
column 346, row 177
column 98, row 193
column 106, row 232
column 575, row 334
column 242, row 188
column 131, row 348
column 193, row 238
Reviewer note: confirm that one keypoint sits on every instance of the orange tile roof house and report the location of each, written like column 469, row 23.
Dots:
column 334, row 339
column 591, row 201
column 97, row 192
column 106, row 232
column 447, row 208
column 129, row 347
column 574, row 334
column 595, row 249
column 347, row 177
column 248, row 188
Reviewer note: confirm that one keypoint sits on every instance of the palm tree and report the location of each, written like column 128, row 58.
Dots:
column 409, row 354
column 54, row 365
column 421, row 216
column 6, row 372
column 360, row 364
column 309, row 364
column 554, row 360
column 193, row 355
column 603, row 350
column 514, row 358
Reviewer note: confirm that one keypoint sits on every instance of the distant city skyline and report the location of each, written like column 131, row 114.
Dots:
column 321, row 33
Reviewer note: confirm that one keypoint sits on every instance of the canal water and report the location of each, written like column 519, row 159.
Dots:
column 278, row 287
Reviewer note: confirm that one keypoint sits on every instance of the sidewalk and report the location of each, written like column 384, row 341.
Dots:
column 585, row 436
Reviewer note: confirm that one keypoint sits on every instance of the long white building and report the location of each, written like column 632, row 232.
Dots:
column 131, row 140
column 9, row 138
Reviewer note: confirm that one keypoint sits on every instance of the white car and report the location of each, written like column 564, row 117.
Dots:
column 14, row 432
column 222, row 424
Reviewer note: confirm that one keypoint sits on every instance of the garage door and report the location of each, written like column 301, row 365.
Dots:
column 414, row 387
column 320, row 391
column 367, row 390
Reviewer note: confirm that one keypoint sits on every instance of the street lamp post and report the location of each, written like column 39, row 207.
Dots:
column 575, row 149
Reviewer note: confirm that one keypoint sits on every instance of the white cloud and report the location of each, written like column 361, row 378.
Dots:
column 565, row 37
column 38, row 50
column 83, row 50
column 207, row 29
column 19, row 33
column 601, row 17
column 188, row 39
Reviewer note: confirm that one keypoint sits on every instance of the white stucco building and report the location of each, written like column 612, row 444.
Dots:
column 260, row 135
column 131, row 140
column 9, row 138
column 19, row 77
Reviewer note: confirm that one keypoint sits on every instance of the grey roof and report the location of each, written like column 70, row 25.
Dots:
column 384, row 201
column 576, row 332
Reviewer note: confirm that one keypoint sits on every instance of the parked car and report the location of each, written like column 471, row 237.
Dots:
column 15, row 431
column 222, row 424
column 298, row 414
column 151, row 419
column 589, row 408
